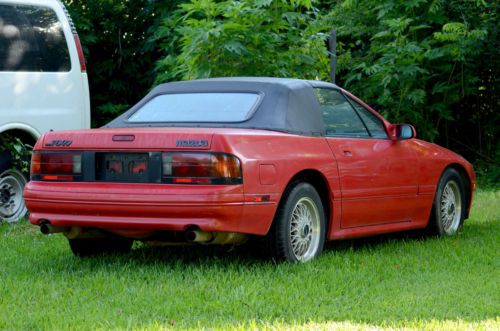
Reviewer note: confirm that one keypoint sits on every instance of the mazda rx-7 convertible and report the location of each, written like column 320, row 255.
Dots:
column 288, row 162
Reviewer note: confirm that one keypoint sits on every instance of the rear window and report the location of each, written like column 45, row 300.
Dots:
column 198, row 107
column 32, row 39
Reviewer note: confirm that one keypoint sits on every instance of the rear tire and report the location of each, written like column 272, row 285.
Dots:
column 12, row 206
column 298, row 230
column 448, row 210
column 100, row 246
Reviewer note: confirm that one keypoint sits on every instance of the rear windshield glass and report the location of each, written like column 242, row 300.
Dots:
column 197, row 107
column 32, row 39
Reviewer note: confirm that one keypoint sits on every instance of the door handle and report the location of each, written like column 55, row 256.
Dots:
column 346, row 149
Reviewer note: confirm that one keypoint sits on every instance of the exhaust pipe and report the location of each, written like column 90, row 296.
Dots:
column 199, row 236
column 47, row 228
column 219, row 238
column 71, row 232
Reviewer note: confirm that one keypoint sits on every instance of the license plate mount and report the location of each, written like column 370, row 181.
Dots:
column 123, row 167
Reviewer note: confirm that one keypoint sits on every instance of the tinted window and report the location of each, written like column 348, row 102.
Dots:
column 197, row 107
column 31, row 39
column 372, row 122
column 339, row 116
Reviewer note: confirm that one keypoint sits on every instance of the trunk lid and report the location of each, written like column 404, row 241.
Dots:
column 150, row 139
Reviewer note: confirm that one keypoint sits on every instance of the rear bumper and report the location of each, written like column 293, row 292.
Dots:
column 148, row 207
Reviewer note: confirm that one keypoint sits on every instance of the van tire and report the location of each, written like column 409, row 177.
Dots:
column 12, row 206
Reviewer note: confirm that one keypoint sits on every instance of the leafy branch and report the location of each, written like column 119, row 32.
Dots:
column 20, row 152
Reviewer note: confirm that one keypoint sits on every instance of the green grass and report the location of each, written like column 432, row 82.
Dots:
column 387, row 282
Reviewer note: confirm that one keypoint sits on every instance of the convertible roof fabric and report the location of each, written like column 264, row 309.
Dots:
column 287, row 105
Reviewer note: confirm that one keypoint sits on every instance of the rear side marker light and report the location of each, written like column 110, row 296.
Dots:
column 201, row 168
column 56, row 166
column 262, row 198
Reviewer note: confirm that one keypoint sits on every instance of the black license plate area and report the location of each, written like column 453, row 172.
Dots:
column 122, row 167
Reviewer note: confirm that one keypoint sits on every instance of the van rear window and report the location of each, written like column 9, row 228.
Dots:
column 32, row 39
column 198, row 107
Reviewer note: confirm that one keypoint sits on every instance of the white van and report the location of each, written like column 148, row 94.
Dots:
column 43, row 85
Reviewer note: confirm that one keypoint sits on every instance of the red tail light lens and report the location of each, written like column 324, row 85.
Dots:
column 56, row 166
column 201, row 168
column 81, row 57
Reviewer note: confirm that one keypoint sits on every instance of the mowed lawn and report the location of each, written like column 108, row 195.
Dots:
column 389, row 282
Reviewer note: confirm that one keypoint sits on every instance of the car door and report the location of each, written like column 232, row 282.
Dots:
column 377, row 175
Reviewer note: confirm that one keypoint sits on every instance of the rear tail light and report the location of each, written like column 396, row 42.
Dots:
column 81, row 58
column 200, row 168
column 56, row 166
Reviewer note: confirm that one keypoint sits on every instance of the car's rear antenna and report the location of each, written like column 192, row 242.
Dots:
column 332, row 46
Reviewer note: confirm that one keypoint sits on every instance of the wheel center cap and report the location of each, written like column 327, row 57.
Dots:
column 305, row 230
column 451, row 209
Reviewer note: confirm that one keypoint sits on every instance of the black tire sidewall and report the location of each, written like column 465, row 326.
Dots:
column 448, row 175
column 5, row 161
column 283, row 222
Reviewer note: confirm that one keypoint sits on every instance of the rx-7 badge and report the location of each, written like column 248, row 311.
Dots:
column 59, row 143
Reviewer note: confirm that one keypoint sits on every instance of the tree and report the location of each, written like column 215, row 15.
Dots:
column 434, row 64
column 243, row 38
column 119, row 50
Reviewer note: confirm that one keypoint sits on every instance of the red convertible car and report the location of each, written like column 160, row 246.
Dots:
column 291, row 162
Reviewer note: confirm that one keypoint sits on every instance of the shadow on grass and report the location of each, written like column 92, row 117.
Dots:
column 248, row 254
column 375, row 241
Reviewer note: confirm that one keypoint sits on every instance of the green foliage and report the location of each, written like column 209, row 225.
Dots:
column 20, row 152
column 120, row 56
column 435, row 64
column 488, row 171
column 243, row 38
column 417, row 61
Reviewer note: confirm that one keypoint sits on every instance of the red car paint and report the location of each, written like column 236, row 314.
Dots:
column 374, row 185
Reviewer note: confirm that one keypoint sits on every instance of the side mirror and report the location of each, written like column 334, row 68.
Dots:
column 402, row 132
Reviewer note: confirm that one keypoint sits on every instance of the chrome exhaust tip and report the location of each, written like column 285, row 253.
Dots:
column 47, row 228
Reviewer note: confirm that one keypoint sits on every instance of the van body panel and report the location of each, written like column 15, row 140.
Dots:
column 46, row 100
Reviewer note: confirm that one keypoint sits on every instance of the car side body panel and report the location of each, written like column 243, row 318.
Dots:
column 271, row 161
column 367, row 173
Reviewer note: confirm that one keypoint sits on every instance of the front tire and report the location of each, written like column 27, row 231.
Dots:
column 298, row 230
column 448, row 211
column 100, row 246
column 12, row 206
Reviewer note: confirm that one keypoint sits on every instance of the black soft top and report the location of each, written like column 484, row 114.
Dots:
column 288, row 105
